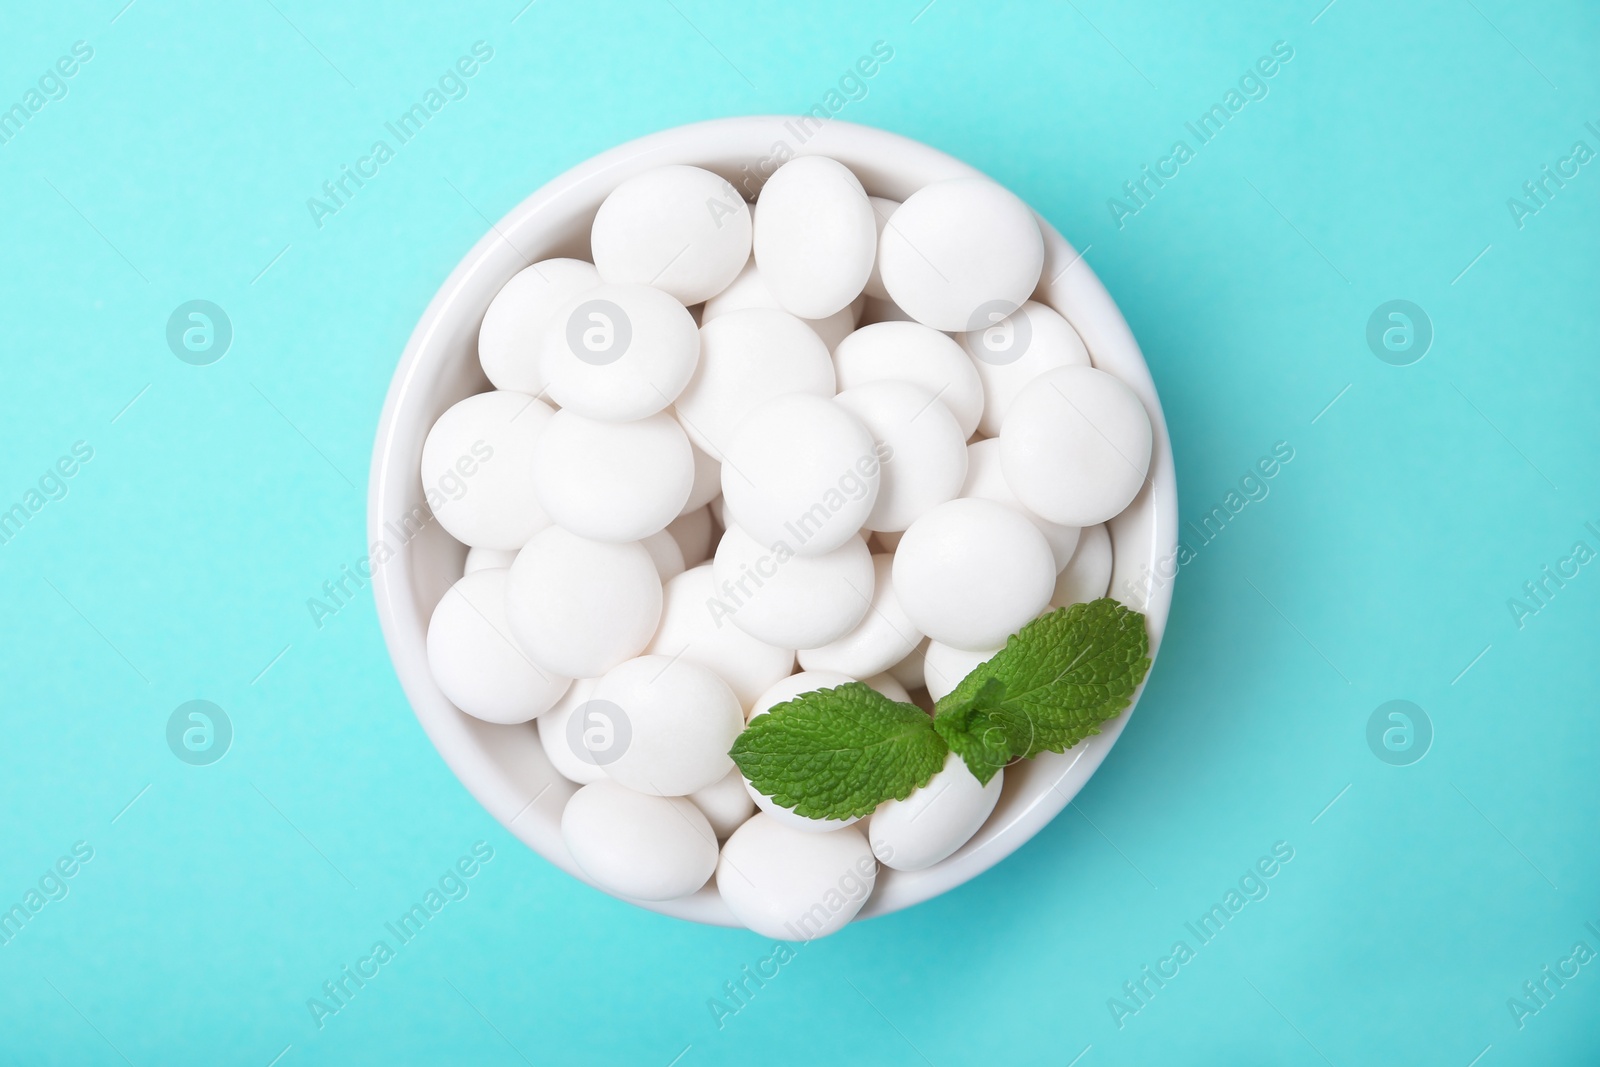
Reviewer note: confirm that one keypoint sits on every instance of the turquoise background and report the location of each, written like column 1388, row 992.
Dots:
column 178, row 564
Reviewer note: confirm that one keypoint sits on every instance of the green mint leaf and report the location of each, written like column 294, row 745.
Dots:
column 1051, row 686
column 838, row 753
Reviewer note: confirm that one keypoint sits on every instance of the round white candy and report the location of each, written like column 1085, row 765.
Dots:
column 815, row 238
column 664, row 553
column 924, row 452
column 749, row 290
column 1076, row 446
column 787, row 884
column 477, row 469
column 707, row 480
column 613, row 481
column 567, row 745
column 1088, row 576
column 885, row 637
column 1012, row 350
column 619, row 352
column 890, row 687
column 580, row 607
column 881, row 210
column 483, row 559
column 945, row 666
column 724, row 803
column 928, row 826
column 970, row 573
column 986, row 480
column 957, row 249
column 787, row 600
column 747, row 358
column 696, row 629
column 476, row 661
column 695, row 535
column 801, row 470
column 674, row 722
column 912, row 352
column 681, row 229
column 638, row 846
column 513, row 328
column 909, row 671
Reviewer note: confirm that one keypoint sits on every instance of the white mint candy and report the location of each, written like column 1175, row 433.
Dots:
column 881, row 210
column 912, row 352
column 957, row 248
column 794, row 886
column 1012, row 350
column 694, row 627
column 664, row 553
column 885, row 637
column 564, row 743
column 613, row 481
column 513, row 327
column 1076, row 446
column 928, row 826
column 580, row 607
column 749, row 290
column 724, row 803
column 887, row 685
column 945, row 666
column 638, row 846
column 815, row 237
column 788, row 600
column 1088, row 576
column 924, row 452
column 483, row 559
column 681, row 229
column 476, row 661
column 619, row 352
column 747, row 358
column 801, row 470
column 679, row 718
column 477, row 469
column 909, row 672
column 707, row 480
column 695, row 534
column 986, row 480
column 971, row 573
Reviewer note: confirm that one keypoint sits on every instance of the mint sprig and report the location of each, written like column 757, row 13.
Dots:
column 839, row 753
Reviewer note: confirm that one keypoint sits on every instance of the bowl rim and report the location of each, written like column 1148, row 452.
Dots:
column 1144, row 536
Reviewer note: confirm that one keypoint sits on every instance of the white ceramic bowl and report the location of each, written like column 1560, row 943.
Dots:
column 504, row 766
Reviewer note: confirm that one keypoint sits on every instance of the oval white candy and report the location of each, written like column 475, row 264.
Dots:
column 970, row 573
column 788, row 884
column 787, row 600
column 580, row 607
column 477, row 468
column 483, row 559
column 695, row 534
column 885, row 636
column 955, row 249
column 1076, row 446
column 815, row 236
column 1012, row 350
column 724, row 803
column 747, row 358
column 512, row 333
column 707, row 480
column 945, row 666
column 1088, row 576
column 987, row 481
column 912, row 352
column 638, row 846
column 681, row 229
column 476, row 661
column 924, row 452
column 565, row 744
column 801, row 470
column 613, row 481
column 749, row 290
column 931, row 824
column 695, row 628
column 675, row 722
column 909, row 672
column 881, row 210
column 619, row 352
column 664, row 553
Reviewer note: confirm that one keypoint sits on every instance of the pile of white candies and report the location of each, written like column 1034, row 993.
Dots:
column 825, row 429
